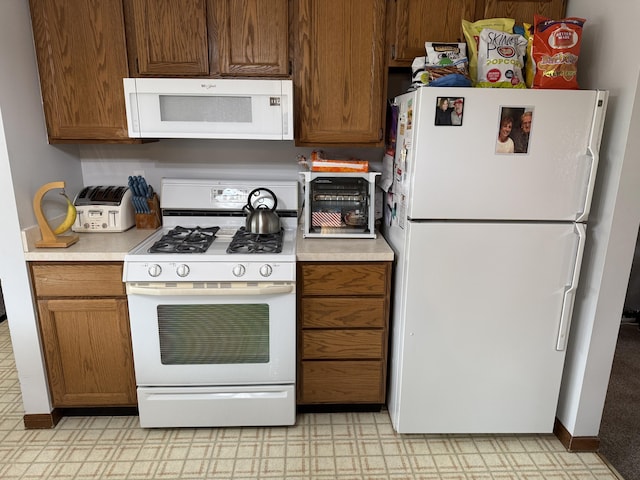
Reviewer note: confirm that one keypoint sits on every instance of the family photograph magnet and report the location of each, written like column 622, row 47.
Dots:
column 514, row 130
column 449, row 111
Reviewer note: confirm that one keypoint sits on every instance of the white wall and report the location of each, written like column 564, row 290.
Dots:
column 26, row 163
column 220, row 159
column 608, row 61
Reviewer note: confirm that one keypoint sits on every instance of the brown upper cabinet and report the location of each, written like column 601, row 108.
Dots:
column 522, row 11
column 252, row 37
column 410, row 23
column 82, row 59
column 208, row 37
column 340, row 75
column 168, row 37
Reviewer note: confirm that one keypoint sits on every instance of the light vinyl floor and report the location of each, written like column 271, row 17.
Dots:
column 340, row 446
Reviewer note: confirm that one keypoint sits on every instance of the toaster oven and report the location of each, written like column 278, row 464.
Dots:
column 104, row 209
column 339, row 205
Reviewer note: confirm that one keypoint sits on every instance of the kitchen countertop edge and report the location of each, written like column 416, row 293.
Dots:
column 113, row 246
column 342, row 249
column 91, row 247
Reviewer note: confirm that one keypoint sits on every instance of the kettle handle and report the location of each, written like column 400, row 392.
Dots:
column 262, row 189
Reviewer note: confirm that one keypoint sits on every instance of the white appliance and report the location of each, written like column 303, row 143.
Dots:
column 489, row 247
column 213, row 309
column 103, row 209
column 209, row 108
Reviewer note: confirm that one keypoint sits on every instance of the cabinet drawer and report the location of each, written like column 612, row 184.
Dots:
column 342, row 382
column 344, row 279
column 78, row 280
column 322, row 312
column 342, row 344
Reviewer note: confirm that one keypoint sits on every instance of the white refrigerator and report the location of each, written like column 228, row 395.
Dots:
column 489, row 236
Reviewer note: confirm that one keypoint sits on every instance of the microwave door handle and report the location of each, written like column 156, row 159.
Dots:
column 160, row 289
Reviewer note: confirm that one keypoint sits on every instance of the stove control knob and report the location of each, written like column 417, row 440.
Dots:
column 266, row 270
column 154, row 270
column 182, row 270
column 238, row 270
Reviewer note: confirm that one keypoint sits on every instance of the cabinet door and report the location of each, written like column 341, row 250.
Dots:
column 252, row 37
column 413, row 22
column 340, row 75
column 521, row 11
column 87, row 348
column 82, row 59
column 170, row 37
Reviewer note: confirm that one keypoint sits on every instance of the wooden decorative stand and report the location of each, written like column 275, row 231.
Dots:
column 49, row 239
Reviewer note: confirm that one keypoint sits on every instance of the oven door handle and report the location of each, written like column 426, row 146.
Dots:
column 160, row 289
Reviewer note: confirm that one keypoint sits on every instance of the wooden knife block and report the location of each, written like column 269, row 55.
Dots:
column 151, row 220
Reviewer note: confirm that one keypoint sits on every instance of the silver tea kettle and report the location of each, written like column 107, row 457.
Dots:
column 261, row 219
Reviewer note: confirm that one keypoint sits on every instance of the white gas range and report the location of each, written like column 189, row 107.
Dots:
column 212, row 308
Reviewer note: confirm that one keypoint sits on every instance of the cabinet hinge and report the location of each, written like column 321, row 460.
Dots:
column 137, row 67
column 380, row 134
column 290, row 67
column 393, row 52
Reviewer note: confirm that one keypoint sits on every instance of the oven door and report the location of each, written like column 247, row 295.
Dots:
column 203, row 334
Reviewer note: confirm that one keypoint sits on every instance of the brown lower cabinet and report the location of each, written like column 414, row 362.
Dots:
column 84, row 327
column 343, row 319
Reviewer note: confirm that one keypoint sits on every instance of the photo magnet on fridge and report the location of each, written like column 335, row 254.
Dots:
column 449, row 111
column 514, row 130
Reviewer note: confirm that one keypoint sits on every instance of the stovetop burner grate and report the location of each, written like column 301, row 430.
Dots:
column 185, row 240
column 247, row 242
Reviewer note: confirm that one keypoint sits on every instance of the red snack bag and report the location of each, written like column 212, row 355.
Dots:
column 555, row 51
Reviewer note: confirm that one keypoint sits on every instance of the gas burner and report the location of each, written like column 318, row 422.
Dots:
column 185, row 240
column 247, row 242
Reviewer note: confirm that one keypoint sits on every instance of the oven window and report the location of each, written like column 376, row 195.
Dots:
column 213, row 334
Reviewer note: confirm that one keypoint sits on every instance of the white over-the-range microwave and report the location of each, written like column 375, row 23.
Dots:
column 209, row 108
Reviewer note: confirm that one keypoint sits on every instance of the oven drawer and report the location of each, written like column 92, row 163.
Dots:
column 336, row 312
column 342, row 382
column 342, row 344
column 232, row 406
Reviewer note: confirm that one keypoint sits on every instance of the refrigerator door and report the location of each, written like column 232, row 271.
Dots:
column 454, row 172
column 478, row 324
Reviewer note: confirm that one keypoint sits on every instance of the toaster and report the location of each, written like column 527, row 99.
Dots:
column 104, row 209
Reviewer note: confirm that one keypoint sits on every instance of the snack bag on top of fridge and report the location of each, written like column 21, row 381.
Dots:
column 556, row 47
column 529, row 64
column 444, row 64
column 472, row 31
column 501, row 59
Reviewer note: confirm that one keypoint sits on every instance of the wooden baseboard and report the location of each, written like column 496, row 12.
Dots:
column 42, row 420
column 575, row 444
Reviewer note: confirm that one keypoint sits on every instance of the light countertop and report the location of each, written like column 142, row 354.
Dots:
column 96, row 247
column 91, row 247
column 342, row 249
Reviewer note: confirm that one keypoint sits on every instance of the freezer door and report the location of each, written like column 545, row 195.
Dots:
column 455, row 172
column 477, row 323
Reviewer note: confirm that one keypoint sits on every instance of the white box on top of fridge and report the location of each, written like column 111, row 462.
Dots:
column 486, row 206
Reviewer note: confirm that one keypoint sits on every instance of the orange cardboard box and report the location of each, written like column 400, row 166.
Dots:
column 319, row 164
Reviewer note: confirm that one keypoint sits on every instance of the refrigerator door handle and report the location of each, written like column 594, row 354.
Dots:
column 570, row 291
column 588, row 196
